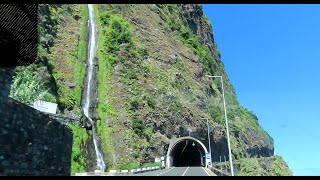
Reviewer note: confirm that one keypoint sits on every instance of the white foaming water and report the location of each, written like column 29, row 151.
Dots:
column 92, row 49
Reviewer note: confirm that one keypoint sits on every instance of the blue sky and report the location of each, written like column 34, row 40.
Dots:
column 272, row 56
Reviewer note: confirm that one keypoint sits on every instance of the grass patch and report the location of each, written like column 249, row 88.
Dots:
column 67, row 96
column 152, row 164
column 80, row 74
column 80, row 136
column 133, row 165
column 208, row 21
column 80, row 66
column 28, row 86
column 151, row 101
column 251, row 167
column 82, row 50
column 279, row 167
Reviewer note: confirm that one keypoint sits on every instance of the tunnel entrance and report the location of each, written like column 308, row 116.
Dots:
column 186, row 151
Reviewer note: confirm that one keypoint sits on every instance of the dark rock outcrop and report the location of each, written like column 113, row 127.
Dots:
column 219, row 144
column 6, row 75
column 255, row 145
column 194, row 17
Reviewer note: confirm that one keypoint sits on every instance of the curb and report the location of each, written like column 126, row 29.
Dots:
column 118, row 172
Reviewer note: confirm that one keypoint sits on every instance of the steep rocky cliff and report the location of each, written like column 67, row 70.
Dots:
column 152, row 84
column 156, row 86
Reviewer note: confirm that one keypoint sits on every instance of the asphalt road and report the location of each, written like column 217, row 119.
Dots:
column 178, row 171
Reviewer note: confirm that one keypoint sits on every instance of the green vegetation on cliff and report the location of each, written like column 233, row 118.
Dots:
column 279, row 167
column 273, row 166
column 80, row 136
column 66, row 61
column 117, row 46
column 264, row 166
column 28, row 86
column 68, row 58
column 33, row 82
column 58, row 73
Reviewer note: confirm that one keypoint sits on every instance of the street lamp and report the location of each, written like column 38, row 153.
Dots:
column 208, row 139
column 225, row 114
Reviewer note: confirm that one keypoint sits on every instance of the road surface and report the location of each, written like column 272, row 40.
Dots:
column 178, row 171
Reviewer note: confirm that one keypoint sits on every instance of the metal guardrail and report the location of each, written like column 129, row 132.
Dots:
column 139, row 170
column 218, row 172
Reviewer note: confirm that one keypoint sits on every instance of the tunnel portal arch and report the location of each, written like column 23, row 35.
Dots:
column 186, row 151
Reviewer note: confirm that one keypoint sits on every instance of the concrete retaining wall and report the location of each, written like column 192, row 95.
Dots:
column 31, row 142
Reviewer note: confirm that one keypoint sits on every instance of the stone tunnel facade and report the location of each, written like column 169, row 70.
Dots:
column 199, row 146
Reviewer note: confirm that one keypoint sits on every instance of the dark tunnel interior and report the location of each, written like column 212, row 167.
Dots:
column 188, row 153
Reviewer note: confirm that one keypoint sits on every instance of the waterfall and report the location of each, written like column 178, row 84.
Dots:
column 91, row 54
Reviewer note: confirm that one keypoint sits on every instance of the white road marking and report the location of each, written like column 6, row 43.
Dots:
column 206, row 171
column 165, row 171
column 185, row 171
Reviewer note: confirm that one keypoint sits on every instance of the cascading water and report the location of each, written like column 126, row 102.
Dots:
column 86, row 107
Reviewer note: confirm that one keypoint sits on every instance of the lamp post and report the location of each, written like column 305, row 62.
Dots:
column 208, row 139
column 225, row 114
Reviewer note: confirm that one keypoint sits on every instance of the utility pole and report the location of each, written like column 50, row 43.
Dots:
column 208, row 138
column 226, row 117
column 220, row 165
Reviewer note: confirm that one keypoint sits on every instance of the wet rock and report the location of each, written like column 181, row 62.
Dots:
column 70, row 84
column 87, row 125
column 6, row 75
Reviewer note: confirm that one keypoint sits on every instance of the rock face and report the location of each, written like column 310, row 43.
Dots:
column 32, row 143
column 181, row 51
column 253, row 144
column 219, row 144
column 194, row 17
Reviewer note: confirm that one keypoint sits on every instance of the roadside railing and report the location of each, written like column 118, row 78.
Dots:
column 217, row 171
